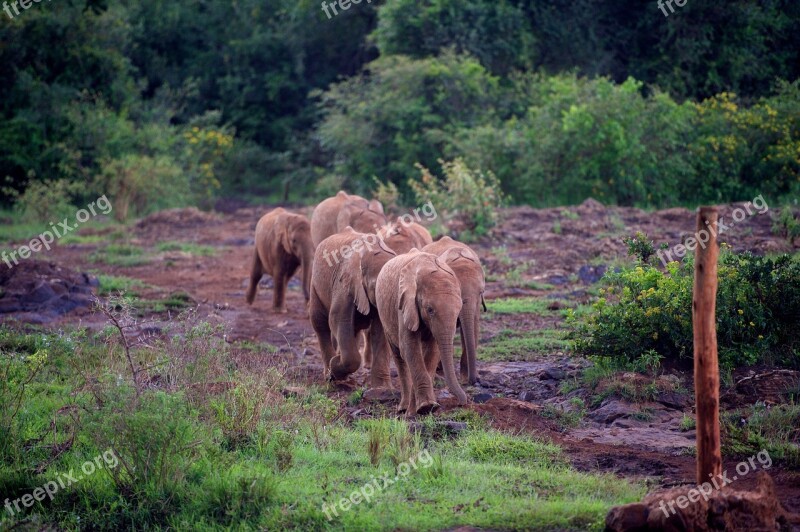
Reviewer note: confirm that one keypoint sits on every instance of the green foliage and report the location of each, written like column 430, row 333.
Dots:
column 496, row 33
column 463, row 194
column 644, row 312
column 640, row 247
column 787, row 223
column 766, row 427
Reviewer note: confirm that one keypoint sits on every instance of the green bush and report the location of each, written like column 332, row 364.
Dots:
column 467, row 195
column 643, row 309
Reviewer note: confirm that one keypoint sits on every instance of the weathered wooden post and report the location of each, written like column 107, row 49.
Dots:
column 706, row 365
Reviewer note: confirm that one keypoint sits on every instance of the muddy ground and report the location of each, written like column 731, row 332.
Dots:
column 550, row 253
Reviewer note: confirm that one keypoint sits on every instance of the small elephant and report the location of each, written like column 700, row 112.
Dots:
column 403, row 236
column 282, row 245
column 467, row 266
column 346, row 267
column 332, row 215
column 419, row 300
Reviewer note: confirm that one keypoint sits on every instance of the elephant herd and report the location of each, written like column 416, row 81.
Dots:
column 388, row 281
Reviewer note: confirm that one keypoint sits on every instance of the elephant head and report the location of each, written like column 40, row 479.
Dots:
column 361, row 216
column 430, row 304
column 295, row 238
column 403, row 236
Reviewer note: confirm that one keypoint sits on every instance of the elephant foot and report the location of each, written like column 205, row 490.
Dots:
column 427, row 408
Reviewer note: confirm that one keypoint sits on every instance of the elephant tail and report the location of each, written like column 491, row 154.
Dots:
column 256, row 272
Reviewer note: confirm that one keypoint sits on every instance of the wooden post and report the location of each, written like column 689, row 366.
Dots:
column 706, row 365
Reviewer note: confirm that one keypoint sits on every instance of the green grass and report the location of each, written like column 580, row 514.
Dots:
column 511, row 345
column 187, row 247
column 220, row 467
column 125, row 255
column 519, row 305
column 175, row 302
column 773, row 429
column 110, row 284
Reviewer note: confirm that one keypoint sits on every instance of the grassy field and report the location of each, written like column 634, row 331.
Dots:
column 208, row 441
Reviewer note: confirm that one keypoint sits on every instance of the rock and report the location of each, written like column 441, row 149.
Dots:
column 674, row 400
column 554, row 373
column 611, row 410
column 481, row 398
column 381, row 395
column 528, row 396
column 726, row 509
column 591, row 274
column 629, row 518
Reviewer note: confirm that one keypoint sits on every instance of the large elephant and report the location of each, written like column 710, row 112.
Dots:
column 332, row 215
column 346, row 267
column 419, row 300
column 467, row 266
column 403, row 236
column 282, row 245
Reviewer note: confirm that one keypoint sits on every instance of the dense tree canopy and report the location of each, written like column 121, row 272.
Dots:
column 560, row 99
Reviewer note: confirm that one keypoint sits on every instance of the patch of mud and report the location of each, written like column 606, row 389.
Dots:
column 37, row 292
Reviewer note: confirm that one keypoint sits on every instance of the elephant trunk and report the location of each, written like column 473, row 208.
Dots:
column 445, row 342
column 469, row 333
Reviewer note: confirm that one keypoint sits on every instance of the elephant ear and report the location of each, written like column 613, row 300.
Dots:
column 350, row 274
column 386, row 248
column 408, row 297
column 376, row 206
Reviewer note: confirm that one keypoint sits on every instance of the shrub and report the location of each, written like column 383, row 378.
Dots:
column 468, row 195
column 643, row 311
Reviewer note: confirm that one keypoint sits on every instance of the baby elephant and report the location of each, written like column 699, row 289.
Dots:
column 467, row 266
column 346, row 267
column 419, row 300
column 283, row 244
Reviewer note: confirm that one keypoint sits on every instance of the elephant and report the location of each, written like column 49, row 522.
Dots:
column 419, row 300
column 282, row 245
column 467, row 266
column 332, row 215
column 403, row 236
column 346, row 267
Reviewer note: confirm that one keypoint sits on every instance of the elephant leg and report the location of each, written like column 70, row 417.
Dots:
column 376, row 343
column 349, row 358
column 406, row 390
column 278, row 300
column 367, row 350
column 430, row 352
column 319, row 322
column 424, row 400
